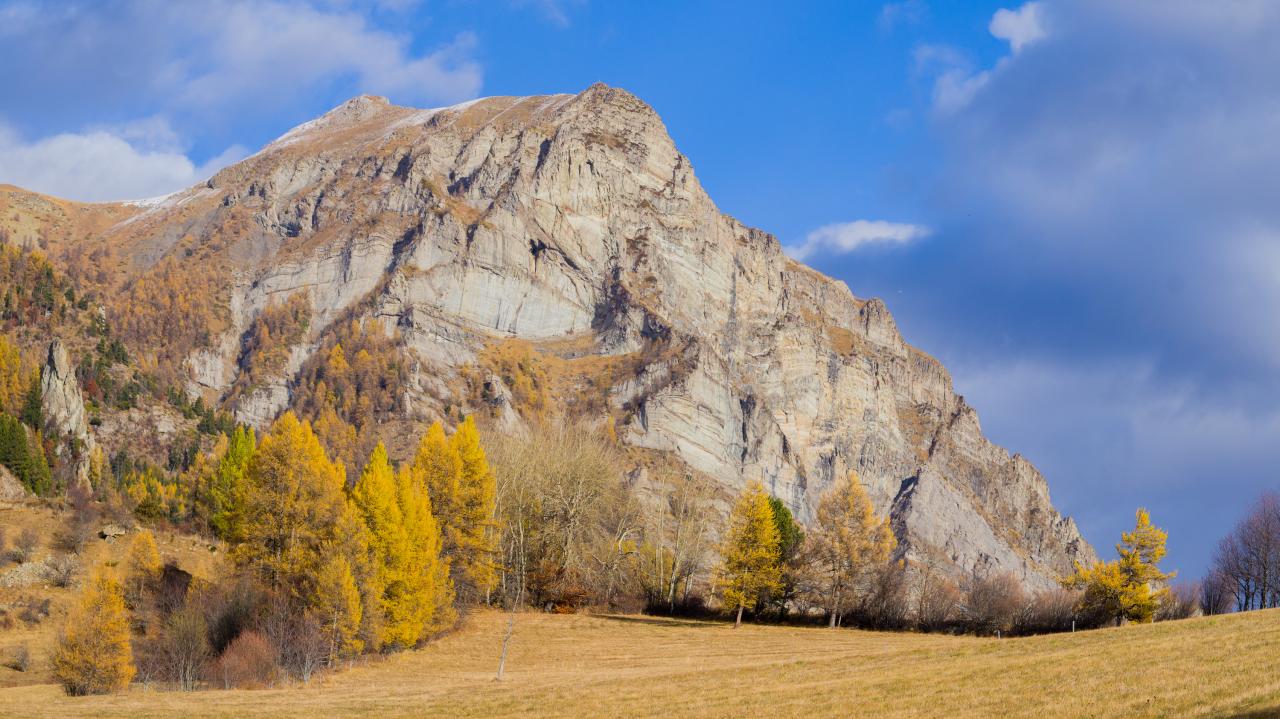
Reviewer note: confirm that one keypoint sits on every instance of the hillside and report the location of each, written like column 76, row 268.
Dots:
column 600, row 665
column 518, row 258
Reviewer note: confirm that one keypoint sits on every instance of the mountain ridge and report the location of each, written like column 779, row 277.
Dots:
column 569, row 228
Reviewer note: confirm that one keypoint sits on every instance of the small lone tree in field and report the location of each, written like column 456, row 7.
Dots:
column 1131, row 587
column 93, row 655
column 751, row 563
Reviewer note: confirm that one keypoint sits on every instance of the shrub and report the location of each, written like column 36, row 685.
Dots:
column 298, row 640
column 936, row 600
column 1181, row 602
column 33, row 612
column 232, row 609
column 61, row 571
column 1049, row 611
column 179, row 652
column 24, row 548
column 84, row 517
column 19, row 659
column 883, row 602
column 249, row 661
column 992, row 603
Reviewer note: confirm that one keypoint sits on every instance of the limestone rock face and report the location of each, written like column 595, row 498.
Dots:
column 11, row 490
column 573, row 223
column 63, row 405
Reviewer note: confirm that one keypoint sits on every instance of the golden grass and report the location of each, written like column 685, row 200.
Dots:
column 575, row 666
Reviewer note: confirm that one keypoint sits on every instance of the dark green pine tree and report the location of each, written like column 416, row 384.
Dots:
column 14, row 447
column 23, row 454
column 32, row 413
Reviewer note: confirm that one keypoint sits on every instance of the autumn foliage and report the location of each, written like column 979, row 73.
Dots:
column 93, row 654
column 751, row 561
column 1131, row 587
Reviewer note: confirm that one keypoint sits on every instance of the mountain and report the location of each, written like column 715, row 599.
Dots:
column 527, row 256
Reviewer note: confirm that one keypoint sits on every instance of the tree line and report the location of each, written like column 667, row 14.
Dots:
column 325, row 568
column 1244, row 572
column 322, row 569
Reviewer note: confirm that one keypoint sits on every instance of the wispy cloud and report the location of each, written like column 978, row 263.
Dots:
column 955, row 81
column 905, row 12
column 845, row 237
column 555, row 12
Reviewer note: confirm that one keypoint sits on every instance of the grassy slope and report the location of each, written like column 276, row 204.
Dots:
column 593, row 666
column 189, row 552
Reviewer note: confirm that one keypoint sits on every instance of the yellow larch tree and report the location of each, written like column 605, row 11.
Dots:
column 337, row 607
column 750, row 563
column 437, row 465
column 93, row 654
column 475, row 554
column 1131, row 587
column 15, row 377
column 143, row 566
column 848, row 540
column 376, row 497
column 295, row 511
column 430, row 581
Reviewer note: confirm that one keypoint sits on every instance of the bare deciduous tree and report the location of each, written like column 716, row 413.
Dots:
column 1247, row 561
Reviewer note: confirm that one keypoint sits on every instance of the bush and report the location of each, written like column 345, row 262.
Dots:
column 33, row 611
column 1047, row 612
column 61, row 571
column 179, row 652
column 992, row 603
column 84, row 517
column 24, row 548
column 232, row 608
column 883, row 604
column 298, row 640
column 1181, row 602
column 248, row 662
column 936, row 600
column 19, row 659
column 1216, row 594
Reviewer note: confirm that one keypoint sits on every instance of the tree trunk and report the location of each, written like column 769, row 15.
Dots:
column 738, row 621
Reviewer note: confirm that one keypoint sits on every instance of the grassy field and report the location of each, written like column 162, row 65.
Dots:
column 582, row 665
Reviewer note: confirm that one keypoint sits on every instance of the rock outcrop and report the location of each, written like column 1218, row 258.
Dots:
column 573, row 224
column 63, row 406
column 11, row 490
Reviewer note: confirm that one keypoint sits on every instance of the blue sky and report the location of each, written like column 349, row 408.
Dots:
column 1072, row 203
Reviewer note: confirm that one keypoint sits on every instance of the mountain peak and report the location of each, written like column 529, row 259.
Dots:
column 568, row 230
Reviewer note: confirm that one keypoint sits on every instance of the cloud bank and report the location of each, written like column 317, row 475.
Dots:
column 1105, row 266
column 206, row 71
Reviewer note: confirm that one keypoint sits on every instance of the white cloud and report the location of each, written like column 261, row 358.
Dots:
column 1020, row 27
column 955, row 81
column 101, row 166
column 844, row 237
column 195, row 75
column 277, row 50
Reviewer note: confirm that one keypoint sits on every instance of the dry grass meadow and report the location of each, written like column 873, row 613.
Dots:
column 582, row 665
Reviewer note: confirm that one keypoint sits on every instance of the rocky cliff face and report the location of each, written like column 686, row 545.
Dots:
column 63, row 407
column 572, row 223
